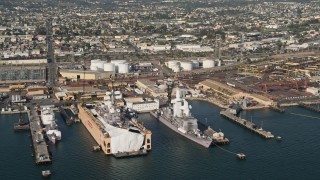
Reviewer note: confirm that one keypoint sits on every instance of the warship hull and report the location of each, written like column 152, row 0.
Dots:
column 203, row 142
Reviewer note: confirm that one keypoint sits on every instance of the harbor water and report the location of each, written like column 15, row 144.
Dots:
column 173, row 156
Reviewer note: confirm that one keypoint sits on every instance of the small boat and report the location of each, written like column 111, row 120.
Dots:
column 96, row 148
column 46, row 173
column 241, row 156
column 279, row 138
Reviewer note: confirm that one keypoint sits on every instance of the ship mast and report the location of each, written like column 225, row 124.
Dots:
column 169, row 89
column 170, row 85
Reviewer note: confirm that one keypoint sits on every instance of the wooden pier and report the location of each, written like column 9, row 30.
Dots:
column 310, row 107
column 247, row 124
column 40, row 146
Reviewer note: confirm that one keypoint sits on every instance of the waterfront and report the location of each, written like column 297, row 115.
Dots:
column 174, row 157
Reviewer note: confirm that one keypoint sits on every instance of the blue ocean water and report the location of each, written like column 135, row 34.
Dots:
column 173, row 156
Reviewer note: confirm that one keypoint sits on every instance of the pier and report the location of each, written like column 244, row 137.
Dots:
column 40, row 146
column 277, row 108
column 247, row 124
column 310, row 107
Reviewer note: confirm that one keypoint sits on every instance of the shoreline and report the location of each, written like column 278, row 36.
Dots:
column 210, row 100
column 216, row 103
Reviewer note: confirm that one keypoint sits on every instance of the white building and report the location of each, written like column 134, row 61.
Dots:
column 140, row 105
column 313, row 91
column 194, row 48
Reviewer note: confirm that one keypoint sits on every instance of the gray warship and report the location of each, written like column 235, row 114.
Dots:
column 177, row 116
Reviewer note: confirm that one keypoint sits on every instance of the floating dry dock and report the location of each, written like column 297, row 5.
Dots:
column 247, row 124
column 40, row 146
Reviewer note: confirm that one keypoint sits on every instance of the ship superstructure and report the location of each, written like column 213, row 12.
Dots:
column 51, row 128
column 113, row 133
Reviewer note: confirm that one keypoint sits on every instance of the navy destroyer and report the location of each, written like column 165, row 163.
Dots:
column 177, row 116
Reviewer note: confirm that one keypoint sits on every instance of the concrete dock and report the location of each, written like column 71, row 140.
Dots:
column 40, row 146
column 247, row 124
column 310, row 107
column 277, row 108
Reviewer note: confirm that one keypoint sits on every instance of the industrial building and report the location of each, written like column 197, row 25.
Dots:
column 88, row 74
column 313, row 91
column 151, row 88
column 140, row 104
column 22, row 74
column 231, row 93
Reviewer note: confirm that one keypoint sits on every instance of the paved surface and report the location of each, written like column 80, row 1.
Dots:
column 39, row 144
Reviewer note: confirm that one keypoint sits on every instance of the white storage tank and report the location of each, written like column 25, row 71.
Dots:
column 123, row 68
column 176, row 68
column 100, row 65
column 117, row 62
column 208, row 63
column 172, row 64
column 95, row 60
column 186, row 66
column 219, row 63
column 95, row 64
column 110, row 67
column 93, row 67
column 195, row 64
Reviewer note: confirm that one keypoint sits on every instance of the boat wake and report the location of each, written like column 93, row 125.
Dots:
column 303, row 115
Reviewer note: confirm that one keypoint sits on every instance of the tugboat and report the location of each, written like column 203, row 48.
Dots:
column 96, row 148
column 46, row 173
column 279, row 138
column 21, row 125
column 241, row 156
